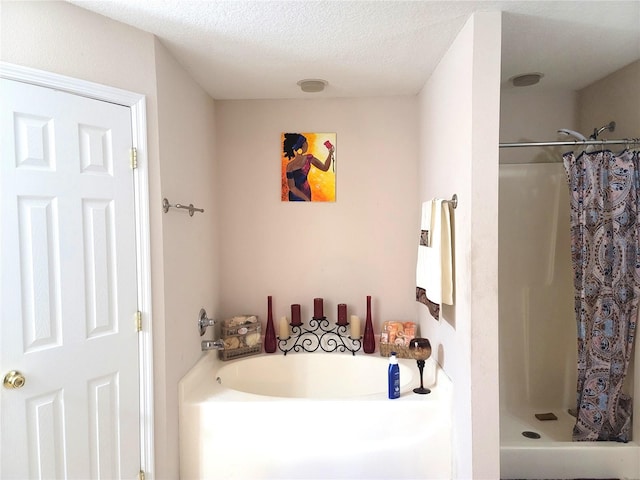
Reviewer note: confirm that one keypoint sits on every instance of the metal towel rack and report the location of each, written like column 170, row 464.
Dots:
column 166, row 206
column 454, row 201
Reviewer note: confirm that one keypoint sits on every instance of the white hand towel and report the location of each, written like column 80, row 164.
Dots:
column 446, row 254
column 426, row 229
column 434, row 271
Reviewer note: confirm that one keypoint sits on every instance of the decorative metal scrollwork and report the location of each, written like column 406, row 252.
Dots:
column 319, row 335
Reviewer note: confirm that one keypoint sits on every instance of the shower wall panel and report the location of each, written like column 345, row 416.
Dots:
column 537, row 323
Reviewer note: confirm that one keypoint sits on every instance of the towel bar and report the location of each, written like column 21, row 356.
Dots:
column 454, row 201
column 166, row 206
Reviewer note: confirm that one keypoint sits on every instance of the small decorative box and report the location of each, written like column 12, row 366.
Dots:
column 241, row 336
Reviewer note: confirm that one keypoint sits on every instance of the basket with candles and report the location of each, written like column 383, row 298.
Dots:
column 395, row 337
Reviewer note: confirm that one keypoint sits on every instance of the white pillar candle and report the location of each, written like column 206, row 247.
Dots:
column 284, row 328
column 355, row 326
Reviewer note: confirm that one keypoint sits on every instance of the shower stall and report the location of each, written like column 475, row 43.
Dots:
column 537, row 327
column 538, row 336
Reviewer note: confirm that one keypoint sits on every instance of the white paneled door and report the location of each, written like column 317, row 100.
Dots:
column 68, row 294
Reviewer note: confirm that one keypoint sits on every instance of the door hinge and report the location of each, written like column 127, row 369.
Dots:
column 141, row 475
column 133, row 154
column 138, row 321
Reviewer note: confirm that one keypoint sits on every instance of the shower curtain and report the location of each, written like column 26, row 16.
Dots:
column 605, row 252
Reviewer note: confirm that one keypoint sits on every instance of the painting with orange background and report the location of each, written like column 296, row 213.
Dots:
column 308, row 167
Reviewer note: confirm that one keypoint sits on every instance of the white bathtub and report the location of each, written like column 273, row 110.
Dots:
column 312, row 416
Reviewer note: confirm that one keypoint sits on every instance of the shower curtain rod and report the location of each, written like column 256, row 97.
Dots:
column 630, row 141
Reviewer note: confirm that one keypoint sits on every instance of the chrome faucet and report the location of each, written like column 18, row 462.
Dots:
column 203, row 323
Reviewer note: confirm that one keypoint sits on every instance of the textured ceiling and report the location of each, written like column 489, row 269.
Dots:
column 260, row 49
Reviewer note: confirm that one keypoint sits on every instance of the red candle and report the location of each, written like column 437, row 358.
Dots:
column 295, row 315
column 318, row 309
column 342, row 314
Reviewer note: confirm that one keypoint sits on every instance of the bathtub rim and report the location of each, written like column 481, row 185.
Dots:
column 297, row 365
column 198, row 385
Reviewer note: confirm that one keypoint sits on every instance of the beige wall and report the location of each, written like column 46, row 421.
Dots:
column 189, row 244
column 62, row 38
column 532, row 114
column 459, row 109
column 615, row 97
column 363, row 244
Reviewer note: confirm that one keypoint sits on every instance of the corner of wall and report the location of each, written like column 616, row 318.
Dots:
column 485, row 410
column 463, row 97
column 187, row 244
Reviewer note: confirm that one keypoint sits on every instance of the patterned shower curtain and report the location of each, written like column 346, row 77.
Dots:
column 605, row 251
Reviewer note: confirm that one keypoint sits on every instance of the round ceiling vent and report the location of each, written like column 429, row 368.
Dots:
column 526, row 79
column 312, row 85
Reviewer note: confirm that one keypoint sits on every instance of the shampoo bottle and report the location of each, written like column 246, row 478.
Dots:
column 394, row 377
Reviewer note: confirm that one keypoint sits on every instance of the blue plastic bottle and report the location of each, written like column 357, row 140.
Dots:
column 394, row 377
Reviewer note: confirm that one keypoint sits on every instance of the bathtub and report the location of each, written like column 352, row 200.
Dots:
column 312, row 416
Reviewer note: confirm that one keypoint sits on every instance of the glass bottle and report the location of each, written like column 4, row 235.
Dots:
column 369, row 341
column 270, row 335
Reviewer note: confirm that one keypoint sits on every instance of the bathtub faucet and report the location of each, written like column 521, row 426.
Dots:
column 203, row 323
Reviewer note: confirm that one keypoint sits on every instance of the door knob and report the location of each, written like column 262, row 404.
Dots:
column 13, row 379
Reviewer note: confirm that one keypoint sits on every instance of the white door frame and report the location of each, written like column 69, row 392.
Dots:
column 137, row 103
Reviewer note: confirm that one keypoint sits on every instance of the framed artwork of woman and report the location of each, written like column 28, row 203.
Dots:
column 308, row 167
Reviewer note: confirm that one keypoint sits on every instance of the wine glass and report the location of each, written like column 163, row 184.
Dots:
column 420, row 350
